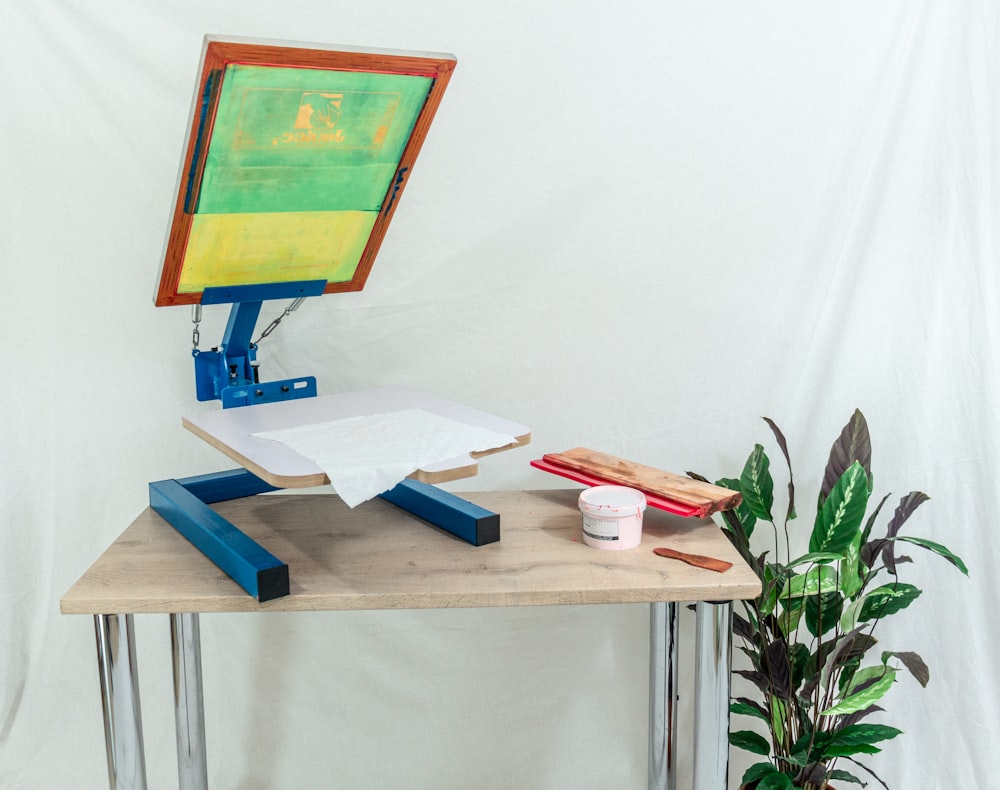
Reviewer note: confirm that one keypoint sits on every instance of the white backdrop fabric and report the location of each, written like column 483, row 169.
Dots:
column 636, row 227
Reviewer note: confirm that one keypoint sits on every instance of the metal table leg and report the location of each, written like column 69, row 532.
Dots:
column 189, row 707
column 120, row 698
column 662, row 696
column 713, row 662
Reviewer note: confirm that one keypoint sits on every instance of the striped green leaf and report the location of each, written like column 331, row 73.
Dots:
column 868, row 696
column 888, row 599
column 838, row 522
column 757, row 485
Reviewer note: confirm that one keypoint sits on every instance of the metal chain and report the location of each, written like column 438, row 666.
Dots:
column 274, row 324
column 195, row 333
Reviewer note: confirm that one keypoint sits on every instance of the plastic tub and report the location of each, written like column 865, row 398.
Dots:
column 612, row 517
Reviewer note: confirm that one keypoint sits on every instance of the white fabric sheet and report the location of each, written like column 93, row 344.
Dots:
column 633, row 226
column 364, row 456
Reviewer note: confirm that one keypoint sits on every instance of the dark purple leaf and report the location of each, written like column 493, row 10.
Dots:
column 778, row 669
column 904, row 510
column 759, row 679
column 871, row 550
column 874, row 775
column 914, row 663
column 870, row 524
column 854, row 444
column 742, row 627
column 853, row 718
column 814, row 773
column 780, row 438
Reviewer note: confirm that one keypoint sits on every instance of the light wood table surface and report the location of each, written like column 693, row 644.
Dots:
column 377, row 556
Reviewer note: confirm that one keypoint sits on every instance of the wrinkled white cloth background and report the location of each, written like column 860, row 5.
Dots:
column 635, row 227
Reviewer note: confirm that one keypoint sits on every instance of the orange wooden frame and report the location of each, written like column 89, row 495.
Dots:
column 219, row 53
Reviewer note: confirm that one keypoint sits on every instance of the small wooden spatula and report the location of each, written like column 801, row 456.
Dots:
column 698, row 560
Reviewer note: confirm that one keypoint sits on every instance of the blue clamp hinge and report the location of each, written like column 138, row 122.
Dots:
column 230, row 371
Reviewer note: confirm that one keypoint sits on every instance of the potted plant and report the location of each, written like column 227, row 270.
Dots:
column 815, row 662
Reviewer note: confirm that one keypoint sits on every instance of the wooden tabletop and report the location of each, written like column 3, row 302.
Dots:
column 379, row 557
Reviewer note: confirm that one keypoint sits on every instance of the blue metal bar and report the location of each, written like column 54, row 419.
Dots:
column 237, row 342
column 251, row 566
column 460, row 517
column 221, row 486
column 261, row 292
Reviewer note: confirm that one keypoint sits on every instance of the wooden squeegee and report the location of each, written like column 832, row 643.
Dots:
column 663, row 490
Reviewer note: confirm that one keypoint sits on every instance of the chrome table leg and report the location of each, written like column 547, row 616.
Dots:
column 662, row 696
column 713, row 662
column 120, row 699
column 189, row 708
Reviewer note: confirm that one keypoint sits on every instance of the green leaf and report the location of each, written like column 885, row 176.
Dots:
column 751, row 741
column 757, row 771
column 776, row 781
column 937, row 548
column 818, row 579
column 844, row 776
column 888, row 599
column 865, row 734
column 799, row 753
column 851, row 574
column 743, row 709
column 792, row 610
column 864, row 698
column 838, row 522
column 838, row 750
column 858, row 739
column 823, row 612
column 777, row 722
column 818, row 557
column 864, row 677
column 849, row 619
column 757, row 485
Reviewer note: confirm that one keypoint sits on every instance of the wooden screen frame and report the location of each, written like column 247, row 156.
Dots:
column 217, row 54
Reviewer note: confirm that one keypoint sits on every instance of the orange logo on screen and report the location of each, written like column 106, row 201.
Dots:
column 319, row 110
column 315, row 121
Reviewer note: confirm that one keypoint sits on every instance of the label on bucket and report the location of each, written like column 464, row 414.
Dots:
column 600, row 528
